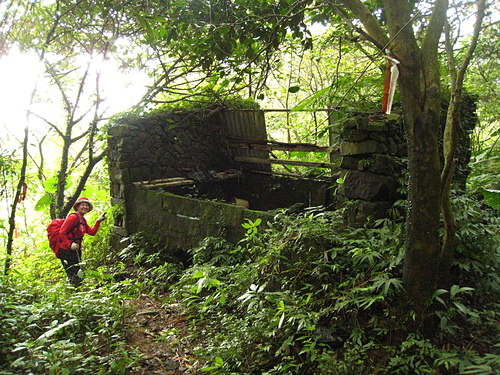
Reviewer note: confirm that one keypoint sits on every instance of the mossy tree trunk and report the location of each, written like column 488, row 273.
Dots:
column 419, row 84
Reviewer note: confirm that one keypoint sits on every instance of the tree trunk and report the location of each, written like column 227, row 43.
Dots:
column 421, row 98
column 61, row 178
column 12, row 218
column 421, row 101
column 450, row 143
column 424, row 198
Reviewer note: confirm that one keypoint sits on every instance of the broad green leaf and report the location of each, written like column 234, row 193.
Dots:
column 492, row 198
column 308, row 103
column 219, row 361
column 439, row 292
column 156, row 19
column 199, row 274
column 282, row 320
column 478, row 369
column 43, row 202
column 464, row 309
column 56, row 329
column 50, row 186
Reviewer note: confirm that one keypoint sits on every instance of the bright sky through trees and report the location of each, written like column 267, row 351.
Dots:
column 18, row 75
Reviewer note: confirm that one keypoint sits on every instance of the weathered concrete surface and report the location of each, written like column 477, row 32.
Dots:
column 190, row 145
column 182, row 222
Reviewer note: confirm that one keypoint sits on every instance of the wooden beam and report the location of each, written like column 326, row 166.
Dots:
column 165, row 182
column 273, row 145
column 292, row 175
column 285, row 162
column 159, row 180
column 172, row 183
column 284, row 110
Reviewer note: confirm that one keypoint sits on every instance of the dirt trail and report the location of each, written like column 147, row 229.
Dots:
column 159, row 332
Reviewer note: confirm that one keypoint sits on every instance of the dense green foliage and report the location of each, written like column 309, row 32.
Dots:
column 302, row 294
column 55, row 330
column 51, row 328
column 303, row 299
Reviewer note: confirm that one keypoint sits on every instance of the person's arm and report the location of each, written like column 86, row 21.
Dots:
column 93, row 230
column 66, row 229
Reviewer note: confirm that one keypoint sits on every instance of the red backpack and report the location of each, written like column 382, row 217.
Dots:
column 53, row 234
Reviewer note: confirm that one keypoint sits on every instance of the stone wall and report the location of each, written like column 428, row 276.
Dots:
column 159, row 145
column 372, row 149
column 193, row 146
column 164, row 145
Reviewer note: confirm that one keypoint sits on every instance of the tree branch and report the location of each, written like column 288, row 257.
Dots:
column 374, row 31
column 434, row 30
column 81, row 184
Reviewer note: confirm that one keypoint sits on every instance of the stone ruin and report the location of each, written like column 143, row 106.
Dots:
column 182, row 176
column 373, row 151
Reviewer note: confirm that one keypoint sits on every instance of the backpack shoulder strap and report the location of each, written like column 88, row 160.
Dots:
column 78, row 222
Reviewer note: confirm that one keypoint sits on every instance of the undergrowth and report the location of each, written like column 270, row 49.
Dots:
column 302, row 294
column 303, row 298
column 59, row 330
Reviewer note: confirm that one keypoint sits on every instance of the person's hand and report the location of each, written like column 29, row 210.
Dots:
column 75, row 246
column 102, row 217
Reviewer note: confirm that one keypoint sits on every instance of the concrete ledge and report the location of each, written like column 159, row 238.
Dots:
column 182, row 222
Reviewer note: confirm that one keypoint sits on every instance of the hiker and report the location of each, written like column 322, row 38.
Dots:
column 71, row 234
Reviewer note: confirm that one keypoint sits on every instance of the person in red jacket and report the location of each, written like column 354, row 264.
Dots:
column 71, row 234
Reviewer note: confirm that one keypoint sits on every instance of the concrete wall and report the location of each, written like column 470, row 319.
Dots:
column 182, row 222
column 194, row 146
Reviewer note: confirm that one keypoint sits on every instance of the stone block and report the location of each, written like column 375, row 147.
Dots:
column 369, row 186
column 141, row 154
column 348, row 162
column 381, row 164
column 115, row 174
column 123, row 165
column 353, row 135
column 374, row 126
column 392, row 146
column 362, row 148
column 129, row 146
column 350, row 123
column 379, row 137
column 115, row 155
column 138, row 174
column 122, row 131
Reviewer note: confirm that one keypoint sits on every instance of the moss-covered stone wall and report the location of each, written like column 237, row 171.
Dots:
column 164, row 145
column 373, row 148
column 193, row 146
column 182, row 222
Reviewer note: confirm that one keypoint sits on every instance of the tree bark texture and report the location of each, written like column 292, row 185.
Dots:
column 419, row 84
column 450, row 142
